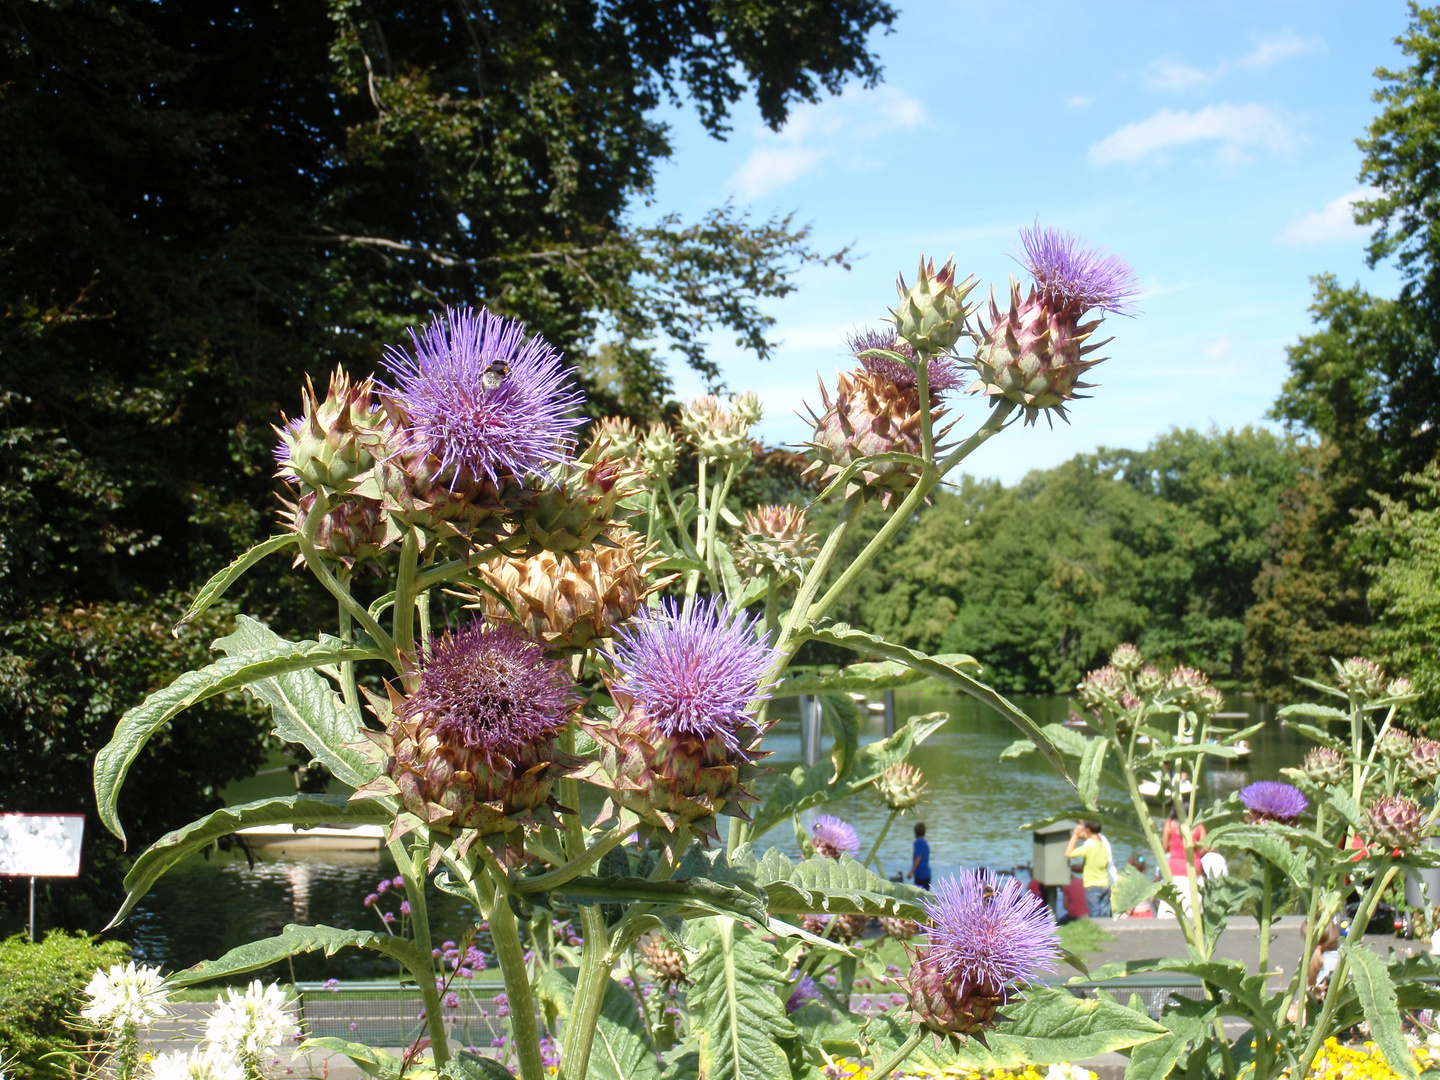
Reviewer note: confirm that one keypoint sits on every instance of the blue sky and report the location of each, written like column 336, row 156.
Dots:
column 1210, row 144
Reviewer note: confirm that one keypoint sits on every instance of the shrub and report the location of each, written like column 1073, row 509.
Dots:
column 42, row 991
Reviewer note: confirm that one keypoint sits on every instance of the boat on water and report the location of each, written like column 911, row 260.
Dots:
column 1150, row 789
column 284, row 837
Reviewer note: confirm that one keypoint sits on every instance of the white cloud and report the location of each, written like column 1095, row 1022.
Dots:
column 1334, row 223
column 1078, row 101
column 1234, row 127
column 1169, row 74
column 1216, row 350
column 1272, row 50
column 813, row 131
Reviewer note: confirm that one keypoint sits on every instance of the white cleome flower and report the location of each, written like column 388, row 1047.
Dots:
column 1068, row 1072
column 250, row 1023
column 207, row 1064
column 125, row 996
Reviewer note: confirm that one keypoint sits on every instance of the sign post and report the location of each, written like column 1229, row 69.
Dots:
column 40, row 845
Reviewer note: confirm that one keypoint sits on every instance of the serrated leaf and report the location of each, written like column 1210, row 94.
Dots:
column 176, row 846
column 691, row 896
column 1188, row 1023
column 1377, row 1000
column 1047, row 1027
column 859, row 641
column 820, row 885
column 215, row 588
column 1270, row 845
column 296, row 939
column 863, row 676
column 1315, row 734
column 1318, row 712
column 808, row 787
column 367, row 1059
column 467, row 1065
column 621, row 1050
column 1132, row 888
column 843, row 719
column 274, row 659
column 734, row 1003
column 1090, row 766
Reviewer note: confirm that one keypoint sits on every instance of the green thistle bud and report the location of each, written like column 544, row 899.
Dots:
column 901, row 786
column 717, row 433
column 1149, row 681
column 1424, row 760
column 1396, row 745
column 931, row 315
column 660, row 451
column 1325, row 767
column 333, row 442
column 775, row 542
column 1362, row 679
column 583, row 499
column 1396, row 823
column 1126, row 659
column 747, row 407
column 615, row 436
column 1103, row 686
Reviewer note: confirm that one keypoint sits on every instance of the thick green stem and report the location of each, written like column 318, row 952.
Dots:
column 712, row 521
column 814, row 577
column 772, row 611
column 422, row 605
column 590, row 984
column 895, row 1060
column 524, row 1033
column 316, row 566
column 348, row 688
column 1298, row 988
column 412, row 868
column 874, row 855
column 403, row 617
column 922, row 395
column 1263, row 968
column 575, row 867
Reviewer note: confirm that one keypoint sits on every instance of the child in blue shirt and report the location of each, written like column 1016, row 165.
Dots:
column 920, row 865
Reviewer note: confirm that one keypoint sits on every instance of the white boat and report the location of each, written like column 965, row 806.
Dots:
column 876, row 706
column 1150, row 789
column 321, row 838
column 855, row 696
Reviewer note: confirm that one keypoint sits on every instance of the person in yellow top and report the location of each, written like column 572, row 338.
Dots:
column 1087, row 843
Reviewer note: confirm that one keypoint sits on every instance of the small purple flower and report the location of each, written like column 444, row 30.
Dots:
column 498, row 1042
column 492, row 689
column 397, row 882
column 1075, row 278
column 487, row 403
column 696, row 672
column 370, row 900
column 354, row 1026
column 452, row 1000
column 332, row 984
column 805, row 990
column 404, row 907
column 388, row 917
column 943, row 374
column 833, row 837
column 1271, row 800
column 502, row 1005
column 436, row 953
column 447, row 945
column 989, row 934
column 465, row 973
column 383, row 886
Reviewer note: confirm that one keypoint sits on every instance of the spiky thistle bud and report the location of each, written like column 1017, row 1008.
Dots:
column 568, row 602
column 1400, row 688
column 899, row 929
column 684, row 744
column 989, row 937
column 665, row 962
column 660, row 450
column 1271, row 800
column 1395, row 823
column 774, row 541
column 1035, row 353
column 870, row 415
column 1325, row 767
column 332, row 442
column 1126, row 659
column 1395, row 745
column 717, row 433
column 901, row 786
column 1187, row 687
column 473, row 747
column 1362, row 679
column 931, row 314
column 1103, row 686
column 582, row 500
column 353, row 531
column 1424, row 760
column 615, row 436
column 747, row 408
column 1150, row 680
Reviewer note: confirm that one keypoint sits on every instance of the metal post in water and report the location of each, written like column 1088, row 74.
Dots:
column 889, row 699
column 809, row 729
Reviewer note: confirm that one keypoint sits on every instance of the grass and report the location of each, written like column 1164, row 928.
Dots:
column 1084, row 936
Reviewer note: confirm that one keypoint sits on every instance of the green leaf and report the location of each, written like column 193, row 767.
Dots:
column 1090, row 766
column 1270, row 844
column 1132, row 888
column 863, row 677
column 370, row 1061
column 621, row 1050
column 1188, row 1024
column 734, row 1003
column 689, row 896
column 1048, row 1027
column 295, row 939
column 215, row 588
column 1315, row 734
column 843, row 719
column 820, row 885
column 176, row 846
column 231, row 672
column 306, row 709
column 1318, row 712
column 1377, row 999
column 858, row 641
column 807, row 787
column 467, row 1065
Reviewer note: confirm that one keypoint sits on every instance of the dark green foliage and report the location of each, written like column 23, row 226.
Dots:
column 1039, row 581
column 199, row 205
column 41, row 994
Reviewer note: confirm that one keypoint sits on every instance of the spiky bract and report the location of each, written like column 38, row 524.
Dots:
column 488, row 403
column 1395, row 823
column 774, row 541
column 473, row 747
column 931, row 314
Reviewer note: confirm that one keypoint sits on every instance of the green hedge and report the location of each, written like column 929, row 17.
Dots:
column 42, row 992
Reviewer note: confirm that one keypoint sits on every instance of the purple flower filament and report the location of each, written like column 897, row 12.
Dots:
column 1075, row 278
column 1271, row 800
column 989, row 934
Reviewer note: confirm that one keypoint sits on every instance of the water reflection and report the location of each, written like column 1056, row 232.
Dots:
column 973, row 818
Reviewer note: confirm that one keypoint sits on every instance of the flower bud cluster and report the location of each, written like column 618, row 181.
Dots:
column 719, row 434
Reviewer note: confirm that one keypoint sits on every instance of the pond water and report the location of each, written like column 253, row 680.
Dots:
column 974, row 815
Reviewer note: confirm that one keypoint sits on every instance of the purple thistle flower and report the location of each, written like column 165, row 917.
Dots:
column 695, row 672
column 292, row 428
column 805, row 990
column 492, row 689
column 487, row 403
column 943, row 374
column 833, row 837
column 1069, row 276
column 1271, row 800
column 989, row 934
